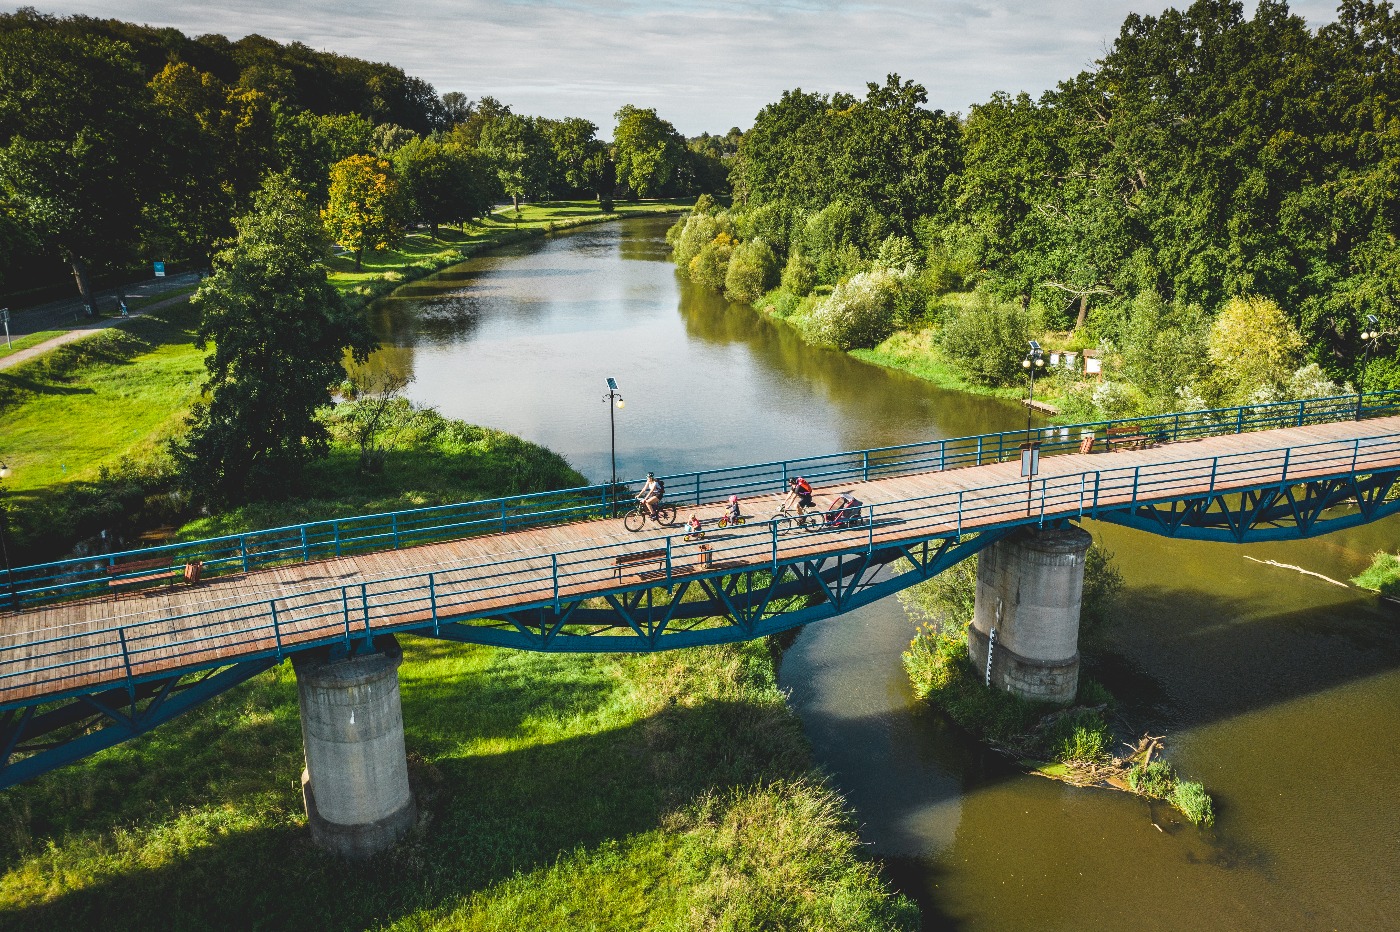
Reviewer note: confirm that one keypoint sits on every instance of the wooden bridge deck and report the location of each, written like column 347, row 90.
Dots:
column 87, row 643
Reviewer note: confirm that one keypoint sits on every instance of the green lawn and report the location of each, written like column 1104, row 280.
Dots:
column 90, row 403
column 672, row 791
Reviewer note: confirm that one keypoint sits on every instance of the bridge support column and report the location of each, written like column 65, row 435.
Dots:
column 355, row 784
column 1029, row 588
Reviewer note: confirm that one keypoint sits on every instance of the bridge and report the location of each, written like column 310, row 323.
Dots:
column 81, row 670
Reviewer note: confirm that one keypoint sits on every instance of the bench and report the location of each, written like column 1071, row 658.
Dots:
column 641, row 556
column 152, row 570
column 1127, row 438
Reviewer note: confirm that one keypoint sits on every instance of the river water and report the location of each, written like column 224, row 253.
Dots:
column 1278, row 690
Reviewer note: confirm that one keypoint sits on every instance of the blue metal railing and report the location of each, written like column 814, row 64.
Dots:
column 69, row 658
column 38, row 584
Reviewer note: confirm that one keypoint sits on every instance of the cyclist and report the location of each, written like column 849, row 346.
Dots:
column 650, row 496
column 692, row 528
column 801, row 496
column 732, row 513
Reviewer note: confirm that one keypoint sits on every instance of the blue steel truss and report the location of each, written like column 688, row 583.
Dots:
column 753, row 584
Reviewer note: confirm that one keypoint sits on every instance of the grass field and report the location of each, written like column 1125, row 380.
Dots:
column 28, row 340
column 672, row 791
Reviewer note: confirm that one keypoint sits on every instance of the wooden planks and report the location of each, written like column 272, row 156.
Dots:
column 86, row 643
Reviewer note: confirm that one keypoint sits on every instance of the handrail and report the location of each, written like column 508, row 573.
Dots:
column 132, row 650
column 32, row 585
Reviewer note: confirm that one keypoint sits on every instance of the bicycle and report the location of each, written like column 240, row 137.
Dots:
column 786, row 520
column 725, row 521
column 636, row 519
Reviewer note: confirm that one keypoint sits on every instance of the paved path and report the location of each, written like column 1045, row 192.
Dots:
column 68, row 313
column 102, row 641
column 79, row 333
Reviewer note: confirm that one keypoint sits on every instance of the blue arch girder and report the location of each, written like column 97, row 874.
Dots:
column 724, row 605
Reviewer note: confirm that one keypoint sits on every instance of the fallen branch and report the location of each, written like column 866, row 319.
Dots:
column 1290, row 566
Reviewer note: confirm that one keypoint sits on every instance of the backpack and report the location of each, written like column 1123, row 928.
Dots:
column 803, row 487
column 660, row 487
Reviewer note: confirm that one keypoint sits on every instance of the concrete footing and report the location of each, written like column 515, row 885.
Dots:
column 355, row 784
column 1029, row 589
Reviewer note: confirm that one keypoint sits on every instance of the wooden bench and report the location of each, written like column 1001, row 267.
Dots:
column 1128, row 438
column 641, row 556
column 152, row 570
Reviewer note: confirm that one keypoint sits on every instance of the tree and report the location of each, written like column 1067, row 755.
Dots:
column 73, row 116
column 579, row 155
column 650, row 155
column 457, row 108
column 524, row 160
column 445, row 182
column 279, row 333
column 366, row 206
column 1253, row 346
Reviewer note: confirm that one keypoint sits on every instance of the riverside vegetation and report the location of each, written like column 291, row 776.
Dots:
column 1074, row 744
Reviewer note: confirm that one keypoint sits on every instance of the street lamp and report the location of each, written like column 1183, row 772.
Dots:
column 1369, row 335
column 614, row 401
column 1035, row 359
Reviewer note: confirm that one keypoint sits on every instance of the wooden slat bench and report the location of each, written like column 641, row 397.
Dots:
column 641, row 556
column 153, row 570
column 1128, row 438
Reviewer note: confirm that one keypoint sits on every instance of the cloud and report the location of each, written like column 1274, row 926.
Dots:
column 704, row 66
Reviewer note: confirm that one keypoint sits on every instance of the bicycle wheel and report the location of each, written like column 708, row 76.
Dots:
column 723, row 522
column 666, row 515
column 783, row 523
column 634, row 520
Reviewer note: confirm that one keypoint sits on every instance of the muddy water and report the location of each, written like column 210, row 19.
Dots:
column 1279, row 691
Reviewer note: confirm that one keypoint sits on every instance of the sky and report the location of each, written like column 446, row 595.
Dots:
column 705, row 66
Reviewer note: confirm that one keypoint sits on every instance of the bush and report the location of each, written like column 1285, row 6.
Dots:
column 799, row 275
column 940, row 671
column 898, row 253
column 753, row 270
column 711, row 264
column 860, row 311
column 833, row 238
column 693, row 233
column 771, row 222
column 1383, row 575
column 1194, row 802
column 987, row 340
column 1164, row 346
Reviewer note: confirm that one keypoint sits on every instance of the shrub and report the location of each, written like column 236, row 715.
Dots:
column 799, row 275
column 711, row 264
column 770, row 222
column 860, row 311
column 1253, row 346
column 687, row 237
column 832, row 238
column 753, row 270
column 1383, row 575
column 1194, row 802
column 987, row 340
column 898, row 253
column 1163, row 346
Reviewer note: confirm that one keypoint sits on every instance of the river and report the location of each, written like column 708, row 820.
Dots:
column 1277, row 690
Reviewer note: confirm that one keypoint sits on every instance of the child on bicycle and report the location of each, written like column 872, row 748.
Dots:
column 731, row 514
column 693, row 528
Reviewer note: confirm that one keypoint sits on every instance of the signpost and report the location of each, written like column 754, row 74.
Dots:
column 160, row 269
column 1030, row 466
column 5, row 316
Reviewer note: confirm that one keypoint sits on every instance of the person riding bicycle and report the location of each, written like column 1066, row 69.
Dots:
column 650, row 496
column 800, row 495
column 732, row 513
column 693, row 528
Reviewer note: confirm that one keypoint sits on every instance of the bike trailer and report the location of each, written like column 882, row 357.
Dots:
column 843, row 510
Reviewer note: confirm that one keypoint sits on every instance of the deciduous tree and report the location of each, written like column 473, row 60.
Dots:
column 365, row 206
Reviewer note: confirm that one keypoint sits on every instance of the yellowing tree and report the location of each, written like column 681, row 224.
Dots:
column 1253, row 346
column 366, row 206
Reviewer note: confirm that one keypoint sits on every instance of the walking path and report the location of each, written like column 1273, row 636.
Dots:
column 79, row 333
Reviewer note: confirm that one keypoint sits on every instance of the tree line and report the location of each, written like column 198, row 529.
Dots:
column 1208, row 156
column 122, row 143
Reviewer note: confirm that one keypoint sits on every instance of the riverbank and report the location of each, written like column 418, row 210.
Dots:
column 557, row 791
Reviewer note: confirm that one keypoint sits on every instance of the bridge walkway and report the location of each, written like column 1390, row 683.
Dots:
column 85, row 644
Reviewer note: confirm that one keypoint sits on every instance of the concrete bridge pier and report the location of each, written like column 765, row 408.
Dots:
column 1029, row 588
column 355, row 784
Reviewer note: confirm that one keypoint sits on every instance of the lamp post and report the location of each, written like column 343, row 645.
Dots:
column 614, row 401
column 4, row 520
column 1035, row 359
column 1369, row 335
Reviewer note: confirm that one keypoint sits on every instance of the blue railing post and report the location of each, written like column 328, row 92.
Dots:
column 1176, row 427
column 1094, row 509
column 979, row 451
column 1137, row 472
column 1214, row 466
column 773, row 528
column 865, row 464
column 1239, row 421
column 335, row 527
column 305, row 548
column 432, row 599
column 394, row 526
column 960, row 506
column 1043, row 487
column 870, row 542
column 942, row 454
column 243, row 549
column 345, row 613
column 364, row 605
column 697, row 488
column 668, row 559
column 1283, row 478
column 1355, row 452
column 554, row 572
column 276, row 632
column 1300, row 413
